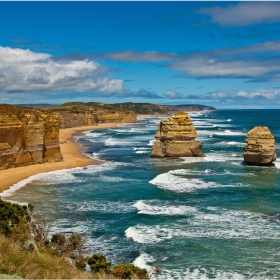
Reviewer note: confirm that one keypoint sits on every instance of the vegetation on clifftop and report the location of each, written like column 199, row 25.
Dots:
column 26, row 251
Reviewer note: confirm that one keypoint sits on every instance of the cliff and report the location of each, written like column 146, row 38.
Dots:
column 28, row 137
column 74, row 114
column 155, row 109
column 260, row 148
column 176, row 138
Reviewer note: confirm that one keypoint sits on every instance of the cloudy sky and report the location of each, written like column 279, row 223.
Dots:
column 224, row 54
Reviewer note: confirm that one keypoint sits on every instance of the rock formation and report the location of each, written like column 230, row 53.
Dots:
column 67, row 119
column 260, row 148
column 115, row 117
column 27, row 136
column 176, row 138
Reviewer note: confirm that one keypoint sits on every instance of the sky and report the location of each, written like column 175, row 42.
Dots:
column 222, row 54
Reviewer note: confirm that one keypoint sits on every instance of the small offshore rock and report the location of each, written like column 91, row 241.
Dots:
column 260, row 148
column 176, row 138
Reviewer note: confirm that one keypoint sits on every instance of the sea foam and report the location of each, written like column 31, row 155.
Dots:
column 161, row 208
column 170, row 182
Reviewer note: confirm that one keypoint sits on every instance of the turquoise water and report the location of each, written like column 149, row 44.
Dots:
column 195, row 218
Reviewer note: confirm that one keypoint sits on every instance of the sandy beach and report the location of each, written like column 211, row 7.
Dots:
column 72, row 157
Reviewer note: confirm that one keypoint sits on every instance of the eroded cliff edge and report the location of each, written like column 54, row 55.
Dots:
column 74, row 114
column 27, row 136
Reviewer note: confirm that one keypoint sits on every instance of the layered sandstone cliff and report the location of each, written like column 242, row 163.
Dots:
column 67, row 119
column 116, row 117
column 260, row 148
column 86, row 114
column 176, row 138
column 27, row 137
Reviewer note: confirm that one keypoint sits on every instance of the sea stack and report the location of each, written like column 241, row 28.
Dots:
column 260, row 148
column 176, row 138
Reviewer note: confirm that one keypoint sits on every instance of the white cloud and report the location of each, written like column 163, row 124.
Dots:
column 27, row 71
column 246, row 62
column 263, row 97
column 269, row 95
column 172, row 94
column 245, row 13
column 202, row 67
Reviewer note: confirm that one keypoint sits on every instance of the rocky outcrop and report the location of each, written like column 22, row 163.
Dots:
column 27, row 136
column 176, row 138
column 76, row 114
column 260, row 148
column 75, row 119
column 67, row 119
column 117, row 117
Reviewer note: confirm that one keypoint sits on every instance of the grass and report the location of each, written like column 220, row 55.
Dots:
column 15, row 260
column 17, row 263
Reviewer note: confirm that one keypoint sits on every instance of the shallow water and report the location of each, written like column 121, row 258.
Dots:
column 195, row 218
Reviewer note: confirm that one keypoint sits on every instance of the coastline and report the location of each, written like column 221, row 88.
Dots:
column 72, row 157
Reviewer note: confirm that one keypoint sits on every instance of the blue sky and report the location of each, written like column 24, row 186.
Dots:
column 224, row 54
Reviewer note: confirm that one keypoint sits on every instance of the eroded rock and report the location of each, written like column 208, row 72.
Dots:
column 27, row 136
column 260, row 148
column 176, row 138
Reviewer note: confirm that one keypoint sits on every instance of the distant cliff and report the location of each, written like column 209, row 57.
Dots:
column 75, row 114
column 155, row 109
column 27, row 136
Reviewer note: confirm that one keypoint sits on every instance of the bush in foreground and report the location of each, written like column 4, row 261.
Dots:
column 99, row 263
column 26, row 252
column 129, row 271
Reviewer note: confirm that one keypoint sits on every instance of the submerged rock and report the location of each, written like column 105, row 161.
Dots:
column 260, row 148
column 176, row 138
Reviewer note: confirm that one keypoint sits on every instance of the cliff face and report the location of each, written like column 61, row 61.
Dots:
column 115, row 117
column 75, row 119
column 82, row 115
column 176, row 138
column 27, row 137
column 260, row 148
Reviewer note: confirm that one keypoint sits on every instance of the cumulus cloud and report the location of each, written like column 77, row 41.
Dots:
column 172, row 94
column 245, row 13
column 27, row 71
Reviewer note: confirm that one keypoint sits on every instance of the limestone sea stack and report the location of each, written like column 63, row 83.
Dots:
column 260, row 148
column 176, row 138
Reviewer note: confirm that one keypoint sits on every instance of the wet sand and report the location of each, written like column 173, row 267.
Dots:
column 72, row 157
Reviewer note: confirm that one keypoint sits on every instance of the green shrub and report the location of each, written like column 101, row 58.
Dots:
column 14, row 219
column 98, row 263
column 129, row 271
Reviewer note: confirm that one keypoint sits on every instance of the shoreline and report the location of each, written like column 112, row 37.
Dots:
column 73, row 156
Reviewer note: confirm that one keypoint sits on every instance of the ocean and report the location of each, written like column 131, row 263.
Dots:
column 195, row 218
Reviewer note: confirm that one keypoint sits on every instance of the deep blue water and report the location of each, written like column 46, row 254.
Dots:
column 195, row 218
